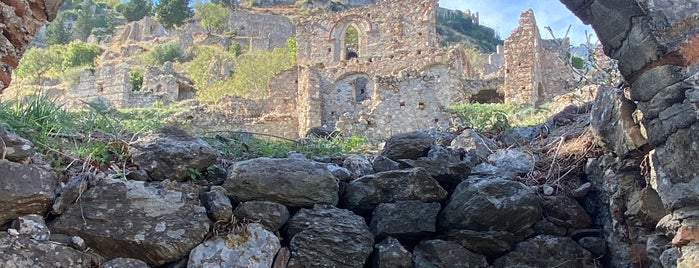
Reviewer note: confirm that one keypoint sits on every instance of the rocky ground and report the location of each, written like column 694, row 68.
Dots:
column 543, row 196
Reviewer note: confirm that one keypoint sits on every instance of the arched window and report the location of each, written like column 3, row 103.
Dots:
column 351, row 42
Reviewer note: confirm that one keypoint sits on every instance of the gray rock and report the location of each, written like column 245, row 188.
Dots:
column 124, row 263
column 14, row 147
column 390, row 253
column 271, row 215
column 410, row 219
column 342, row 174
column 513, row 160
column 470, row 140
column 439, row 253
column 444, row 165
column 291, row 182
column 485, row 171
column 23, row 251
column 595, row 245
column 382, row 163
column 489, row 244
column 157, row 222
column 565, row 211
column 668, row 259
column 581, row 191
column 253, row 246
column 24, row 189
column 172, row 154
column 546, row 251
column 33, row 226
column 358, row 165
column 364, row 194
column 218, row 206
column 544, row 227
column 519, row 136
column 689, row 257
column 612, row 122
column 491, row 205
column 69, row 193
column 412, row 145
column 329, row 237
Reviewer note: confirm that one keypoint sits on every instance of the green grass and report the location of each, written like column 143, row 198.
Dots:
column 496, row 117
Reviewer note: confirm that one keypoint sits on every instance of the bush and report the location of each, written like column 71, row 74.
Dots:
column 209, row 69
column 498, row 116
column 78, row 53
column 135, row 9
column 37, row 63
column 136, row 79
column 170, row 51
column 173, row 12
column 578, row 63
column 213, row 17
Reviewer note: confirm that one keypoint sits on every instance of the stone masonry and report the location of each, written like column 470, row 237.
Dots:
column 20, row 21
column 536, row 69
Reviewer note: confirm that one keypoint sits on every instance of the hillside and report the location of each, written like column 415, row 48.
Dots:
column 455, row 27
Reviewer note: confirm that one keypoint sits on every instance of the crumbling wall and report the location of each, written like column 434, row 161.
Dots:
column 535, row 69
column 262, row 31
column 19, row 22
column 656, row 44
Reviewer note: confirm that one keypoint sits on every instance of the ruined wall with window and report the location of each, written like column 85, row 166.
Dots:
column 536, row 69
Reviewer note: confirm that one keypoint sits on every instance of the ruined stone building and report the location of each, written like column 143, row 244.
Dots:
column 536, row 69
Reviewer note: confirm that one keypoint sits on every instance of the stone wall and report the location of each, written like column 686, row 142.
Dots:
column 656, row 44
column 536, row 70
column 20, row 21
column 263, row 31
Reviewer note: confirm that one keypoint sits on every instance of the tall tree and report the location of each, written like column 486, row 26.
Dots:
column 173, row 12
column 135, row 9
column 213, row 17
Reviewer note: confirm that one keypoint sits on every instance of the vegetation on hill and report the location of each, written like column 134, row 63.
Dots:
column 457, row 27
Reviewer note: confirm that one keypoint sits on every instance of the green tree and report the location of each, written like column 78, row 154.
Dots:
column 170, row 51
column 57, row 32
column 209, row 69
column 255, row 69
column 37, row 63
column 84, row 24
column 578, row 62
column 135, row 9
column 78, row 53
column 173, row 12
column 213, row 17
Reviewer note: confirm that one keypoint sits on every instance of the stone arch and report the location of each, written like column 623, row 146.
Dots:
column 338, row 35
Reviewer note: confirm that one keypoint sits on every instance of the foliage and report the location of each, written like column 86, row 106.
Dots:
column 170, row 51
column 577, row 62
column 35, row 117
column 235, row 49
column 213, row 17
column 57, row 32
column 207, row 71
column 351, row 36
column 134, row 10
column 498, row 116
column 255, row 69
column 136, row 79
column 78, row 53
column 173, row 12
column 37, row 63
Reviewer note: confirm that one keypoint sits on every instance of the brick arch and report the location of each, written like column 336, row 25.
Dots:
column 337, row 34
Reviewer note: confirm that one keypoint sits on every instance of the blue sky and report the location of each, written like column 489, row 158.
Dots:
column 503, row 16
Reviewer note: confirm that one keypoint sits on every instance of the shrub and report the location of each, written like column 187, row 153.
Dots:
column 37, row 63
column 173, row 12
column 136, row 79
column 209, row 69
column 170, row 51
column 213, row 17
column 135, row 9
column 578, row 62
column 78, row 53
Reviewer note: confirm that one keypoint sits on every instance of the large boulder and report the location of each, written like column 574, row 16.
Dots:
column 470, row 140
column 440, row 253
column 157, row 222
column 359, row 165
column 444, row 165
column 491, row 205
column 271, row 215
column 391, row 254
column 217, row 204
column 412, row 145
column 24, row 189
column 172, row 154
column 14, row 147
column 613, row 124
column 513, row 160
column 490, row 244
column 546, row 251
column 410, row 219
column 291, row 182
column 252, row 246
column 23, row 251
column 329, row 237
column 364, row 194
column 565, row 211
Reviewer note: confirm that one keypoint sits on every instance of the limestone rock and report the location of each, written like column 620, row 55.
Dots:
column 613, row 124
column 156, row 222
column 24, row 189
column 444, row 165
column 69, row 193
column 513, row 160
column 668, row 259
column 690, row 256
column 409, row 219
column 290, row 182
column 382, row 163
column 390, row 253
column 491, row 205
column 359, row 165
column 172, row 154
column 23, row 251
column 546, row 251
column 252, row 247
column 218, row 206
column 410, row 145
column 470, row 140
column 14, row 147
column 439, row 253
column 518, row 136
column 329, row 237
column 271, row 215
column 485, row 171
column 363, row 194
column 341, row 173
column 565, row 211
column 124, row 263
column 33, row 226
column 489, row 244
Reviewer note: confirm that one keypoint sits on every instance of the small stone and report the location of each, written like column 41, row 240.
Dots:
column 218, row 206
column 34, row 226
column 13, row 232
column 595, row 245
column 548, row 190
column 581, row 191
column 668, row 259
column 77, row 242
